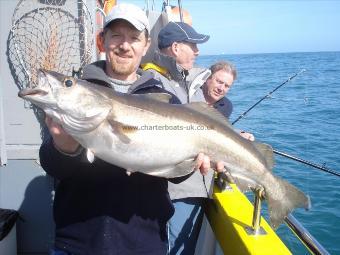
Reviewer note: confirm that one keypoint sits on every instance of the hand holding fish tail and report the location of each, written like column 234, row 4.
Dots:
column 204, row 165
column 62, row 141
column 220, row 167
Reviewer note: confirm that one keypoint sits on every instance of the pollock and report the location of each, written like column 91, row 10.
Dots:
column 147, row 134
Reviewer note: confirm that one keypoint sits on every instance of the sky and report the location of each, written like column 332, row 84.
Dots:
column 271, row 26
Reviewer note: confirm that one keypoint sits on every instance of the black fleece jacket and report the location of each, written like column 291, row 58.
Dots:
column 98, row 208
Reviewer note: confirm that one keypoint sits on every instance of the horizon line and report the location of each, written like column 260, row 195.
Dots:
column 254, row 53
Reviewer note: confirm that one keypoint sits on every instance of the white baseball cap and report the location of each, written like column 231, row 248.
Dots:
column 131, row 13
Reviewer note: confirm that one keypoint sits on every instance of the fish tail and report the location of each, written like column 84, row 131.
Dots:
column 293, row 198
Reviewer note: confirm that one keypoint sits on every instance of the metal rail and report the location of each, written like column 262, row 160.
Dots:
column 305, row 237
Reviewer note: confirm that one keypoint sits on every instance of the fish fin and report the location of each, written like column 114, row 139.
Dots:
column 185, row 167
column 181, row 169
column 267, row 151
column 209, row 111
column 244, row 183
column 291, row 199
column 85, row 124
column 162, row 97
column 89, row 155
column 121, row 130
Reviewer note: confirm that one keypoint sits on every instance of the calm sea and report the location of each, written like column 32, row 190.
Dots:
column 302, row 118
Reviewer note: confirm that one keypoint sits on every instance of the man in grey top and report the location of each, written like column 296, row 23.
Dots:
column 173, row 65
column 177, row 43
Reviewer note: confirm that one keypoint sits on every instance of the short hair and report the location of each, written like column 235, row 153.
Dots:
column 224, row 65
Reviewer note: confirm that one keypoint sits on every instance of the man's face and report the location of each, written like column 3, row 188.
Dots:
column 217, row 86
column 124, row 47
column 186, row 54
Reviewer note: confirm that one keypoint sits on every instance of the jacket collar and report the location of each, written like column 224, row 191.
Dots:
column 96, row 72
column 176, row 72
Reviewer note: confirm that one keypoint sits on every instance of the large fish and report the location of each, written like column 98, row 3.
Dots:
column 144, row 133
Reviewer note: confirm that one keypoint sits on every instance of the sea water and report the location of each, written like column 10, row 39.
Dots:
column 302, row 118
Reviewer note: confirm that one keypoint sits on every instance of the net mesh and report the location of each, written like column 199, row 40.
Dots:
column 49, row 34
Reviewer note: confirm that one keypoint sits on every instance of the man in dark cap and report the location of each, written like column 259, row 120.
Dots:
column 177, row 43
column 173, row 65
column 179, row 40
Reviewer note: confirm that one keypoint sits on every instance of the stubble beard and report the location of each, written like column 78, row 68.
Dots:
column 121, row 66
column 122, row 69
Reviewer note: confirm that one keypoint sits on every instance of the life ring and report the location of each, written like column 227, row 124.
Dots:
column 186, row 15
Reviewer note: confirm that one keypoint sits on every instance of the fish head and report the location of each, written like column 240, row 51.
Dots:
column 78, row 105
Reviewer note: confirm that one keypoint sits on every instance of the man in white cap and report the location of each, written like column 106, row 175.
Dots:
column 99, row 208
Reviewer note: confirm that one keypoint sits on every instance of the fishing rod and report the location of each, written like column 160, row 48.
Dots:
column 323, row 168
column 266, row 96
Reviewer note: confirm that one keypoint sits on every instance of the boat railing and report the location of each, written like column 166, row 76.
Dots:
column 305, row 237
column 313, row 246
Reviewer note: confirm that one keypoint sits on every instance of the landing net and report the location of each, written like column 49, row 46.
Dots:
column 49, row 34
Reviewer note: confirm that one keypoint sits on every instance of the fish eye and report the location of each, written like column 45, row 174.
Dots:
column 68, row 82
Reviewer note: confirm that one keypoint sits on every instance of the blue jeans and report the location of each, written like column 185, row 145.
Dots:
column 185, row 225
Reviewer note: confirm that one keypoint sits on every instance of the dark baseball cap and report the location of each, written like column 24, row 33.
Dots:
column 179, row 32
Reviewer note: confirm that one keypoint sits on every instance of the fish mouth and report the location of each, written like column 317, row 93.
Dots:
column 32, row 92
column 47, row 80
